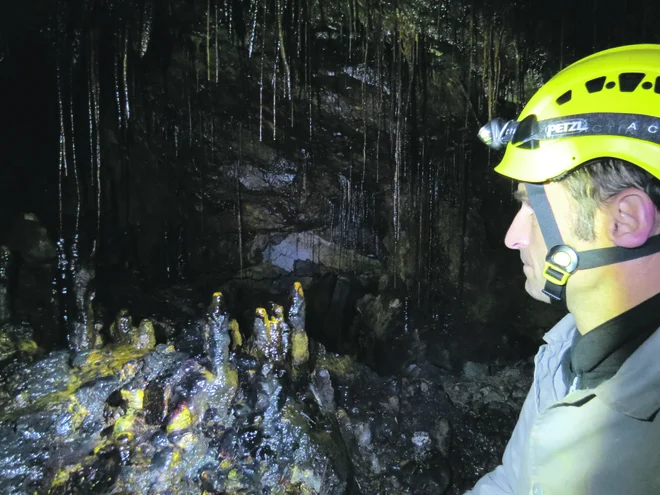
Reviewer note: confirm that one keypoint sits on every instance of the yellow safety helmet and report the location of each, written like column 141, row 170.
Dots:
column 605, row 105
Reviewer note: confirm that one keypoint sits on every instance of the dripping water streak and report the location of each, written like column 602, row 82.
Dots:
column 208, row 40
column 90, row 108
column 147, row 16
column 230, row 20
column 308, row 77
column 274, row 83
column 305, row 159
column 190, row 126
column 299, row 32
column 261, row 78
column 125, row 76
column 239, row 220
column 380, row 104
column 74, row 165
column 254, row 8
column 62, row 173
column 118, row 92
column 350, row 30
column 217, row 52
column 364, row 121
column 281, row 45
column 97, row 151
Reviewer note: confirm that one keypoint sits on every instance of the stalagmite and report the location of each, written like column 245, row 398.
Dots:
column 122, row 327
column 145, row 337
column 299, row 340
column 217, row 334
column 262, row 345
column 280, row 333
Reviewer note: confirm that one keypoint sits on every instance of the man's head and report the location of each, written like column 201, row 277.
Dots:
column 586, row 150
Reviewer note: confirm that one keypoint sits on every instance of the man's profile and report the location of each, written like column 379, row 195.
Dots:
column 586, row 154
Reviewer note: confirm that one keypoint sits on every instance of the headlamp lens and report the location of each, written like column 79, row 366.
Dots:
column 497, row 133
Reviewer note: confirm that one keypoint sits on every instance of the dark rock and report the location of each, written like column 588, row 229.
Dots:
column 30, row 239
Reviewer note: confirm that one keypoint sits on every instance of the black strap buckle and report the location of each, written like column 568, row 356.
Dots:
column 560, row 263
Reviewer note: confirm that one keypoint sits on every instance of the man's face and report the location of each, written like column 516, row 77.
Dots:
column 525, row 235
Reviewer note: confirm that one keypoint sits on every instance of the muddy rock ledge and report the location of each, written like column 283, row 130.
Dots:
column 221, row 411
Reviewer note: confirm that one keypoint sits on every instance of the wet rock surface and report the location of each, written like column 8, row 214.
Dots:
column 221, row 409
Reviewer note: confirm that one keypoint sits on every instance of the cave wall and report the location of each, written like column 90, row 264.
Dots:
column 199, row 140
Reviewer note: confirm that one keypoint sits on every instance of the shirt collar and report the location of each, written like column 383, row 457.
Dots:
column 633, row 390
column 562, row 331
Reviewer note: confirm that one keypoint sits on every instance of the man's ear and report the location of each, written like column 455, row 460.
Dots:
column 632, row 218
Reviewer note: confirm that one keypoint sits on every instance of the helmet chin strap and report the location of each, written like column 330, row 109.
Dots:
column 562, row 260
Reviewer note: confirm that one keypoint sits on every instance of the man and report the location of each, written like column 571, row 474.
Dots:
column 586, row 153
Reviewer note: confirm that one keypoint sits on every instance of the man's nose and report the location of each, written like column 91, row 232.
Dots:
column 517, row 237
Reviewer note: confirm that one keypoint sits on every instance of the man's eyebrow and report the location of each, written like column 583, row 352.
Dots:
column 521, row 196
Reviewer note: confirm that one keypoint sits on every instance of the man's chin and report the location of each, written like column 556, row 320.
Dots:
column 536, row 292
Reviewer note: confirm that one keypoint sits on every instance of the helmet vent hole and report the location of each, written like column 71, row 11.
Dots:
column 610, row 85
column 628, row 81
column 657, row 85
column 565, row 98
column 595, row 85
column 647, row 85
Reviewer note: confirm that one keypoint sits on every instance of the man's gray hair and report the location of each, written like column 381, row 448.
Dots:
column 593, row 183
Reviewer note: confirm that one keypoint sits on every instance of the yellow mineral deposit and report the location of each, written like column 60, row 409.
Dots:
column 236, row 337
column 299, row 348
column 180, row 419
column 134, row 398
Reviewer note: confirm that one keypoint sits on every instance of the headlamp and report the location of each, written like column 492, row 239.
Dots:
column 530, row 131
column 497, row 133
